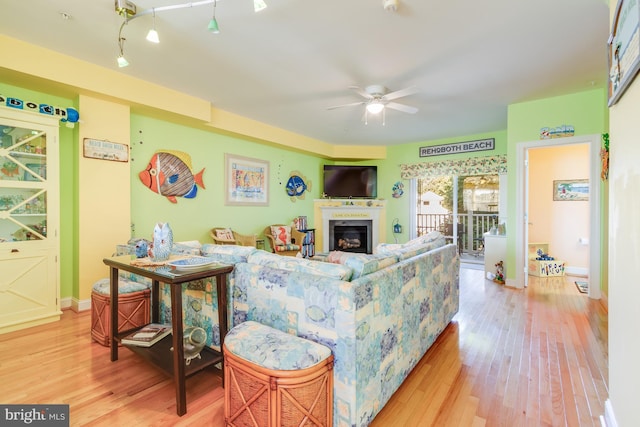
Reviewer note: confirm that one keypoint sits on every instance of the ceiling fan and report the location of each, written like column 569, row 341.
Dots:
column 378, row 98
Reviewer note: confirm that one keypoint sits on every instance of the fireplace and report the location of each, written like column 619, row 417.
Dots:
column 362, row 217
column 350, row 236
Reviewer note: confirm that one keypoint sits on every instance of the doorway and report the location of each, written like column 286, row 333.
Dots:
column 522, row 208
column 462, row 207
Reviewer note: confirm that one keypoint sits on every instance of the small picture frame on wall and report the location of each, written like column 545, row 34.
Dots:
column 246, row 181
column 623, row 48
column 105, row 150
column 571, row 190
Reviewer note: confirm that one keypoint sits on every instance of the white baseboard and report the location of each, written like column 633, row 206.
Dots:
column 608, row 419
column 65, row 303
column 75, row 304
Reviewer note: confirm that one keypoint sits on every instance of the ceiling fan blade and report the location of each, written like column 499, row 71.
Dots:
column 400, row 93
column 401, row 107
column 361, row 92
column 353, row 104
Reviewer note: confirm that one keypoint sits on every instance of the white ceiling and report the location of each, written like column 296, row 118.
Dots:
column 286, row 65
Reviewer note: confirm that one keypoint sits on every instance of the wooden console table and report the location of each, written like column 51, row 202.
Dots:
column 160, row 354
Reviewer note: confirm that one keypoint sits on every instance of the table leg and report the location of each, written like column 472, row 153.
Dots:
column 113, row 299
column 221, row 283
column 178, row 349
column 155, row 301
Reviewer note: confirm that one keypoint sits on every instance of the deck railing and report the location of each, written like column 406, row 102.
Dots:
column 471, row 227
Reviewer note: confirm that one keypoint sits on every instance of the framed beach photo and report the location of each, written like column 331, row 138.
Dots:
column 571, row 190
column 623, row 48
column 246, row 181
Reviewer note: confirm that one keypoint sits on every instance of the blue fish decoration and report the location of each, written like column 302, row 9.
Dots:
column 296, row 186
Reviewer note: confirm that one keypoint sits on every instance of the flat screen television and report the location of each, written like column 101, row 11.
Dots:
column 351, row 181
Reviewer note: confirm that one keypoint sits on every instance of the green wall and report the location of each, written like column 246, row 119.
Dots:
column 67, row 137
column 586, row 111
column 191, row 219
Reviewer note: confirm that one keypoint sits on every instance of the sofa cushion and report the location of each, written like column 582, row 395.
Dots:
column 273, row 349
column 433, row 239
column 362, row 264
column 302, row 265
column 229, row 254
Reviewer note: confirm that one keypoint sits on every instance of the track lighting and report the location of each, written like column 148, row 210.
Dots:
column 259, row 5
column 129, row 11
column 122, row 61
column 152, row 35
column 213, row 24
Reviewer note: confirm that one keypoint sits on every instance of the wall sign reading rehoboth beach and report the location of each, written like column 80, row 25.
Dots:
column 459, row 147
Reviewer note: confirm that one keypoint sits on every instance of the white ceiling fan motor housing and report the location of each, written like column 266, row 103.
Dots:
column 390, row 5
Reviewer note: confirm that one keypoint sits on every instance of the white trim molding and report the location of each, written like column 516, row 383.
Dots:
column 608, row 419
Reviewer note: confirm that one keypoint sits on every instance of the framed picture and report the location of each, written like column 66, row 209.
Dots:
column 105, row 150
column 571, row 190
column 246, row 181
column 624, row 48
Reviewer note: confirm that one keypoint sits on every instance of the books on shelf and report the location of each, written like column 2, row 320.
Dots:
column 300, row 223
column 148, row 335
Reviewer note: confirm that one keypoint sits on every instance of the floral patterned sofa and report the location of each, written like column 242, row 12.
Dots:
column 379, row 313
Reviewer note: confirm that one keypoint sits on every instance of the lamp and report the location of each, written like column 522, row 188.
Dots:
column 129, row 11
column 122, row 61
column 152, row 35
column 213, row 24
column 259, row 5
column 375, row 106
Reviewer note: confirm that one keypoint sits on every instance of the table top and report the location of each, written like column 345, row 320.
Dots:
column 167, row 273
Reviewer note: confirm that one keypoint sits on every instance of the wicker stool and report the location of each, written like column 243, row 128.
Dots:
column 133, row 308
column 275, row 379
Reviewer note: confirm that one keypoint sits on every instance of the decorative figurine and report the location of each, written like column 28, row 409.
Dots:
column 162, row 242
column 499, row 273
column 543, row 257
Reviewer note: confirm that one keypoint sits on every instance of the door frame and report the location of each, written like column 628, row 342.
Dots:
column 522, row 190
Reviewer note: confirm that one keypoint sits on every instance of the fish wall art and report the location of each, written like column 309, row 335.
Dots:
column 170, row 174
column 297, row 185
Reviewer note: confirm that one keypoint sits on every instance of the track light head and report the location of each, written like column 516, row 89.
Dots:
column 122, row 61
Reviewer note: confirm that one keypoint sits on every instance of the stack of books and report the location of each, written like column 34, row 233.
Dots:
column 300, row 223
column 148, row 335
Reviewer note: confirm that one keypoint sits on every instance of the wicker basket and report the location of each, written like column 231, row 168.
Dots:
column 260, row 397
column 133, row 312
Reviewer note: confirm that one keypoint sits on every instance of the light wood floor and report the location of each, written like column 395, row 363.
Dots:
column 535, row 357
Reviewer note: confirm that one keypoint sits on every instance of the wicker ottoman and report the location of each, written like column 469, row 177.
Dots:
column 133, row 308
column 276, row 379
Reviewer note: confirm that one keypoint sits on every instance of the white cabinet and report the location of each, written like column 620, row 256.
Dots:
column 29, row 219
column 495, row 250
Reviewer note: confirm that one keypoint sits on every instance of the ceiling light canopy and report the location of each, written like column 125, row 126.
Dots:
column 129, row 11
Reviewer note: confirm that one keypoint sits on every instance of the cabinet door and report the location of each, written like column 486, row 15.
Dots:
column 28, row 291
column 29, row 218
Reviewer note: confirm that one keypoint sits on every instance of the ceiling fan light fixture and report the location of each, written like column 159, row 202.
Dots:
column 375, row 107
